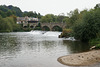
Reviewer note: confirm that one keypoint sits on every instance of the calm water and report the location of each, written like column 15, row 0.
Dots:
column 36, row 49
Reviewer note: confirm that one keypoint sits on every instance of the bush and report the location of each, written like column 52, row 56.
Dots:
column 89, row 26
column 95, row 42
column 66, row 33
column 37, row 28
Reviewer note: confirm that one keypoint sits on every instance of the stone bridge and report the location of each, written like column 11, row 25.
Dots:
column 43, row 25
column 52, row 25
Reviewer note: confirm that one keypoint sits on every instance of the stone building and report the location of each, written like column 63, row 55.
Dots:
column 28, row 22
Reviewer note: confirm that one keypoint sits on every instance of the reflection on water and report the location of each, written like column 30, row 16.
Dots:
column 76, row 46
column 35, row 49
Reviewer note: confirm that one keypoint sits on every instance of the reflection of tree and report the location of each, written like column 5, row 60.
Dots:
column 33, row 45
column 76, row 46
column 8, row 44
column 50, row 45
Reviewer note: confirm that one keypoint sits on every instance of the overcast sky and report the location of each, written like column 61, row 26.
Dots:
column 51, row 6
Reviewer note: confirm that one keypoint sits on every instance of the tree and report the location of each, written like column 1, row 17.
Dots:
column 89, row 26
column 60, row 18
column 66, row 20
column 39, row 15
column 48, row 18
column 5, row 25
column 74, row 15
column 3, row 14
column 97, row 6
column 9, row 13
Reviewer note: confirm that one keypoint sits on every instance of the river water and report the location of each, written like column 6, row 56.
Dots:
column 37, row 49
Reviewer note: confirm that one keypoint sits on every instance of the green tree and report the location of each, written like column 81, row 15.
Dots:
column 3, row 14
column 5, row 26
column 48, row 18
column 9, row 13
column 97, row 6
column 89, row 26
column 60, row 18
column 74, row 16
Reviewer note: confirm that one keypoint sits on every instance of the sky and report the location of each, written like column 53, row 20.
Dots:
column 55, row 7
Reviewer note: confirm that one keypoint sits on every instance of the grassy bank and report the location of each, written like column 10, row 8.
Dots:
column 95, row 42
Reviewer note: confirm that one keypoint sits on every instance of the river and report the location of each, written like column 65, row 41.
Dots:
column 37, row 49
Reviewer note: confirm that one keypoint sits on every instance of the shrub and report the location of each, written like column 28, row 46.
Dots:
column 95, row 42
column 66, row 33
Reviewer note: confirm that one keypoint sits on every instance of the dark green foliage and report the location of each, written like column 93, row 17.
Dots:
column 95, row 42
column 60, row 18
column 6, row 11
column 5, row 25
column 85, row 25
column 38, row 27
column 15, row 10
column 57, row 28
column 66, row 33
column 8, row 18
column 9, row 13
column 97, row 6
column 32, row 14
column 10, row 10
column 2, row 13
column 74, row 16
column 89, row 26
column 8, row 24
column 50, row 18
column 45, row 28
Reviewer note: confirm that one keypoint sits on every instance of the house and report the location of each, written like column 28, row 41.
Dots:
column 30, row 22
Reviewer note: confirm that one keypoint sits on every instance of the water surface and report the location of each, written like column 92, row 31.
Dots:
column 37, row 49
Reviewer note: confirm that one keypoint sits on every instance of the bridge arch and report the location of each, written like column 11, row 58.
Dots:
column 56, row 28
column 45, row 28
column 31, row 26
column 52, row 26
column 25, row 26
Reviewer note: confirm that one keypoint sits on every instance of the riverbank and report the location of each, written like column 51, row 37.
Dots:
column 81, row 59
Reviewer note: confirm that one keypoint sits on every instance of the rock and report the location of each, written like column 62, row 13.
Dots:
column 93, row 47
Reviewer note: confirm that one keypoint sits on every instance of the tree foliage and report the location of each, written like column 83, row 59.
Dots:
column 32, row 14
column 52, row 18
column 10, row 10
column 48, row 18
column 89, row 25
column 85, row 24
column 6, row 11
column 8, row 24
column 8, row 15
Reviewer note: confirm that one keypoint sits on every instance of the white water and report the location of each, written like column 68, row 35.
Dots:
column 46, row 33
column 50, row 34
